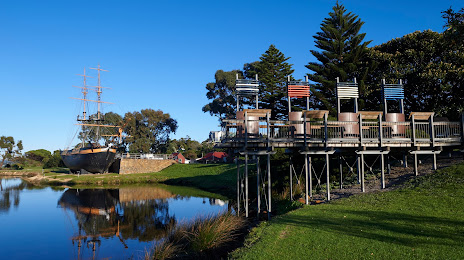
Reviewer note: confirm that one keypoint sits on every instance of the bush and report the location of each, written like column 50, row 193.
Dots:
column 202, row 237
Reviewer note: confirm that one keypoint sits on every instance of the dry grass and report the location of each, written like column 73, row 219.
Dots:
column 202, row 238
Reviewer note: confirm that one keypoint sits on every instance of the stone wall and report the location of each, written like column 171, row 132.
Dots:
column 128, row 166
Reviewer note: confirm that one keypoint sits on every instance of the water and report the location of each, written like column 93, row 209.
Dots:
column 57, row 223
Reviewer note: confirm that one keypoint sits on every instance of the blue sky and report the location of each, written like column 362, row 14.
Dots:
column 160, row 54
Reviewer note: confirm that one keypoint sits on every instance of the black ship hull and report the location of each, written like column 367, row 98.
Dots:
column 93, row 160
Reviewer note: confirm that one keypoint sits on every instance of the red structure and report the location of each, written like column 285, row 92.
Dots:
column 215, row 157
column 178, row 157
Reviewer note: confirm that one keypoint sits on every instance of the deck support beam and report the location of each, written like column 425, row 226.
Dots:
column 308, row 170
column 382, row 153
column 257, row 186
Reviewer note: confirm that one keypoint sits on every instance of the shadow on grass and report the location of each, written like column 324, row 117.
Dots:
column 223, row 183
column 396, row 228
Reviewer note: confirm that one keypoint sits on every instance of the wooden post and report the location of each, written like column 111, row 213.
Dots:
column 358, row 167
column 385, row 108
column 413, row 130
column 326, row 132
column 382, row 170
column 246, row 130
column 246, row 184
column 238, row 185
column 341, row 170
column 304, row 130
column 360, row 130
column 257, row 186
column 327, row 174
column 306, row 179
column 310, row 177
column 269, row 185
column 291, row 178
column 363, row 189
column 380, row 131
column 432, row 132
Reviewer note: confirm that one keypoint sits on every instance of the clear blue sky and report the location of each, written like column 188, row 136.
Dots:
column 160, row 54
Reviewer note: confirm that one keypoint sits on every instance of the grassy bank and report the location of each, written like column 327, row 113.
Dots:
column 217, row 178
column 423, row 220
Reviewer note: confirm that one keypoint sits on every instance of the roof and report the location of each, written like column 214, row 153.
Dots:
column 214, row 156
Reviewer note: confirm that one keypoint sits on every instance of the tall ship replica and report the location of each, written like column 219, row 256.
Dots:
column 97, row 150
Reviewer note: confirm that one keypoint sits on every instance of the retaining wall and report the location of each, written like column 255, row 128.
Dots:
column 128, row 166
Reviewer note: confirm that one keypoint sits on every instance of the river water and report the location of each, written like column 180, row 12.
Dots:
column 121, row 223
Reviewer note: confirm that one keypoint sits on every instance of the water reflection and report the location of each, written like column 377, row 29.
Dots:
column 132, row 213
column 62, row 223
column 10, row 188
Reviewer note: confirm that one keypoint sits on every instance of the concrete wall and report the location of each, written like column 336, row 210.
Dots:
column 128, row 166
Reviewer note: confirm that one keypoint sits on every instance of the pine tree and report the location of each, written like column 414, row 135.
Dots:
column 272, row 70
column 342, row 53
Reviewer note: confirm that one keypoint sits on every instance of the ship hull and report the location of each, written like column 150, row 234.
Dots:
column 96, row 160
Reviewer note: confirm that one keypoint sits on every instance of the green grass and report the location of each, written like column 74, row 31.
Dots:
column 217, row 178
column 423, row 220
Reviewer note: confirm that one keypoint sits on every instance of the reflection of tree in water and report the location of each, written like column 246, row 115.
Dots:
column 10, row 190
column 100, row 212
column 146, row 220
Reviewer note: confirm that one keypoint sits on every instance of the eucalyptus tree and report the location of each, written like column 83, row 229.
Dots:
column 148, row 130
column 222, row 94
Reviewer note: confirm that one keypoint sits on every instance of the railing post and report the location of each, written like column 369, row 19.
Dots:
column 462, row 127
column 304, row 130
column 246, row 129
column 380, row 131
column 432, row 132
column 413, row 130
column 326, row 132
column 268, row 130
column 360, row 130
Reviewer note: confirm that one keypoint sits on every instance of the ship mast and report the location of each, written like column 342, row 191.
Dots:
column 85, row 91
column 93, row 121
column 98, row 90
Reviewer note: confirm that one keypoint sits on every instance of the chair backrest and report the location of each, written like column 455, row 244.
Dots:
column 347, row 90
column 392, row 91
column 298, row 89
column 246, row 87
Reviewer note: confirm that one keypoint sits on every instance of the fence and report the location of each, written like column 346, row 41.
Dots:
column 342, row 131
column 149, row 156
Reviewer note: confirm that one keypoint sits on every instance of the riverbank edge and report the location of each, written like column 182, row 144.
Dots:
column 214, row 178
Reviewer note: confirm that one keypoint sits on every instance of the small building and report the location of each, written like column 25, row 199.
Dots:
column 214, row 157
column 178, row 157
column 216, row 136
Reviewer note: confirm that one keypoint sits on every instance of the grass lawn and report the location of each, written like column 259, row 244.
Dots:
column 217, row 178
column 423, row 220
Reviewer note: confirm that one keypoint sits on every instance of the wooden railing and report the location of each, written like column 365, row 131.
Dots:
column 360, row 132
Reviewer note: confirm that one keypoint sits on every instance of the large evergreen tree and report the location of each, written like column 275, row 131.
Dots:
column 272, row 70
column 342, row 54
